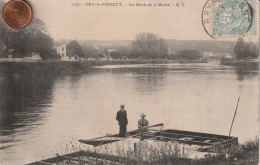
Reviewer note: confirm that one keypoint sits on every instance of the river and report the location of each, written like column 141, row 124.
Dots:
column 40, row 116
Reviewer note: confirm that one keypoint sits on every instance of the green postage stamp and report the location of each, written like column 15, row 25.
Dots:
column 227, row 18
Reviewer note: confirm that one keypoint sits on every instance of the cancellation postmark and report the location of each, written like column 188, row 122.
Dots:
column 227, row 18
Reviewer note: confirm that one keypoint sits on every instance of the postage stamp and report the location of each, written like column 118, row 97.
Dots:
column 227, row 18
column 231, row 17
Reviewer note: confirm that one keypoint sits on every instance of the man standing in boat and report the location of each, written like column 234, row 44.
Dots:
column 121, row 117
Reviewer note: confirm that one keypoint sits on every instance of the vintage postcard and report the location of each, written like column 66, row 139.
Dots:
column 129, row 82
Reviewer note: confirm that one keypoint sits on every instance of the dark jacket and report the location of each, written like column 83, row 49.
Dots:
column 121, row 117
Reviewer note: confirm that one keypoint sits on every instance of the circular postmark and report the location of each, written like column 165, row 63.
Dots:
column 222, row 18
column 17, row 14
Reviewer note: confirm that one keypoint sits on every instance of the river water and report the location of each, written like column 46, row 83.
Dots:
column 40, row 116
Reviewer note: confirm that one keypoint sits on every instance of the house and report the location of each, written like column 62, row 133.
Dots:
column 208, row 54
column 62, row 51
column 32, row 57
column 16, row 57
column 107, row 55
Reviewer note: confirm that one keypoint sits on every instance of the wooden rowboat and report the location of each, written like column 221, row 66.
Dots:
column 114, row 138
column 205, row 141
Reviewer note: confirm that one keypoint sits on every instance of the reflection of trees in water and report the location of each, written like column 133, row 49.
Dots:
column 243, row 75
column 22, row 102
column 148, row 79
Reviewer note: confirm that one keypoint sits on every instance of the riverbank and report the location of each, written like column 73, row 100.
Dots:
column 44, row 68
column 245, row 153
column 242, row 65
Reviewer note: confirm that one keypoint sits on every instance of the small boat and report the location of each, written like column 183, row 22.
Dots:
column 206, row 142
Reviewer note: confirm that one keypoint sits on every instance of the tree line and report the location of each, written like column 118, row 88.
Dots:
column 145, row 46
column 151, row 46
column 33, row 38
column 36, row 38
column 245, row 51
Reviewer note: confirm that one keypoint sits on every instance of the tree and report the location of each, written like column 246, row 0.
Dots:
column 188, row 54
column 239, row 48
column 38, row 39
column 254, row 52
column 120, row 52
column 33, row 38
column 74, row 49
column 91, row 52
column 244, row 50
column 149, row 46
column 2, row 29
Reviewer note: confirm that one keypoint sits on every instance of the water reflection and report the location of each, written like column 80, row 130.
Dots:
column 242, row 75
column 53, row 109
column 22, row 105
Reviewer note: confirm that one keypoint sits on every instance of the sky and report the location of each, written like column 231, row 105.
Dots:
column 121, row 23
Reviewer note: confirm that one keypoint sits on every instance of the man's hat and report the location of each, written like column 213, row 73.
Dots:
column 122, row 106
column 143, row 115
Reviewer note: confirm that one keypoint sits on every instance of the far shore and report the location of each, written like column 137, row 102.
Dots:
column 246, row 65
column 57, row 67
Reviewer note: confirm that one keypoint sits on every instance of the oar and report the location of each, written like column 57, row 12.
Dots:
column 136, row 134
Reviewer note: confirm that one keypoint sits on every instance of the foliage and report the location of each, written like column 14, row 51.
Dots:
column 74, row 49
column 171, row 153
column 149, row 46
column 120, row 52
column 91, row 52
column 33, row 38
column 188, row 54
column 244, row 50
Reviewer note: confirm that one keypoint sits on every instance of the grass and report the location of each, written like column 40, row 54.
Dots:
column 170, row 153
column 245, row 153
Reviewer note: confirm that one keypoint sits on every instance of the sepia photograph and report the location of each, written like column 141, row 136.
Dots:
column 129, row 82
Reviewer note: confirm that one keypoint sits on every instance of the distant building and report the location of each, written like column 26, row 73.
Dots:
column 171, row 51
column 107, row 55
column 106, row 58
column 227, row 55
column 32, row 57
column 208, row 54
column 62, row 51
column 224, row 55
column 73, row 58
column 109, row 51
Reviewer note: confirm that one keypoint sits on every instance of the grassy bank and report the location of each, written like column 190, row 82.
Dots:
column 167, row 154
column 243, row 154
column 44, row 68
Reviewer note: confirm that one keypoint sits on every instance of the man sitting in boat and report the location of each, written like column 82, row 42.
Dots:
column 143, row 123
column 121, row 117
